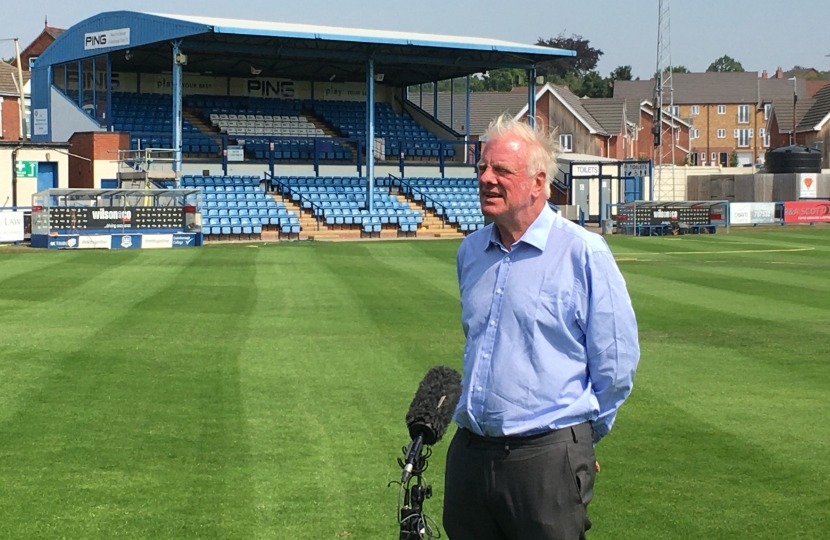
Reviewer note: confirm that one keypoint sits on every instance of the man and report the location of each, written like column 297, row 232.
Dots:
column 550, row 355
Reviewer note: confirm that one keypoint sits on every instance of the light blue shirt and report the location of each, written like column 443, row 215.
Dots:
column 551, row 334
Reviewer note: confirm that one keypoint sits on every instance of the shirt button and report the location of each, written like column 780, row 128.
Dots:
column 485, row 355
column 507, row 259
column 492, row 323
column 498, row 291
column 478, row 389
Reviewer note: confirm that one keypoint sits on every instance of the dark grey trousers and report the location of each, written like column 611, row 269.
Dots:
column 519, row 488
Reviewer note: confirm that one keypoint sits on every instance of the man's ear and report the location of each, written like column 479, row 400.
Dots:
column 539, row 183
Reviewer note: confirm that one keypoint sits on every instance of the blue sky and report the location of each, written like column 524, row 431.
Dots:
column 761, row 34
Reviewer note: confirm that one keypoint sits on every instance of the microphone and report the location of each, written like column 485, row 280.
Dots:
column 430, row 412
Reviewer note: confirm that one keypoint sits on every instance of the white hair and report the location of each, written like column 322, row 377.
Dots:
column 543, row 148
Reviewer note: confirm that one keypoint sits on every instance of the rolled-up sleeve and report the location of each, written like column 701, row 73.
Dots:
column 611, row 339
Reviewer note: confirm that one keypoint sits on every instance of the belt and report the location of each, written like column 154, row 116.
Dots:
column 571, row 433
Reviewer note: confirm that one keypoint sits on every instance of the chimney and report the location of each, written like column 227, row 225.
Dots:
column 779, row 74
column 764, row 75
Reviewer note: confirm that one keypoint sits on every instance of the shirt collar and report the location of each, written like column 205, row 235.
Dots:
column 536, row 235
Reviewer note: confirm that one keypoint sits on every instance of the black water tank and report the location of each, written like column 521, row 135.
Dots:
column 793, row 159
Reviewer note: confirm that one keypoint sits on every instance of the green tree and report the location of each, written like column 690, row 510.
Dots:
column 733, row 158
column 594, row 86
column 503, row 80
column 725, row 63
column 621, row 73
column 586, row 58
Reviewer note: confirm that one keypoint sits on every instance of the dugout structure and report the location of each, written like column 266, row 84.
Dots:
column 661, row 218
column 116, row 218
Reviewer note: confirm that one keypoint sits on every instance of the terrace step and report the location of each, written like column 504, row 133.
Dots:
column 432, row 225
column 198, row 121
column 308, row 224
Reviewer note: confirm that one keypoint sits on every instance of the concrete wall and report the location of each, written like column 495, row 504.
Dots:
column 433, row 127
column 754, row 188
column 785, row 187
column 751, row 187
column 66, row 118
column 26, row 187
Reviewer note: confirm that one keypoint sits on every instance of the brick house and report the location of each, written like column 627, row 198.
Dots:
column 10, row 102
column 780, row 123
column 813, row 127
column 596, row 127
column 36, row 47
column 727, row 112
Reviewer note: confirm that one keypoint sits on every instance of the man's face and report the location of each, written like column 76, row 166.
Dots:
column 505, row 188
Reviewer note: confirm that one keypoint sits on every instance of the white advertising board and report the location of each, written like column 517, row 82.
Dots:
column 157, row 241
column 11, row 226
column 808, row 183
column 40, row 121
column 751, row 213
column 103, row 241
column 236, row 153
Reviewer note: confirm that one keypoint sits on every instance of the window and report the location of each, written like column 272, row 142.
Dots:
column 702, row 158
column 32, row 60
column 674, row 110
column 743, row 114
column 714, row 157
column 721, row 109
column 695, row 133
column 744, row 136
column 762, row 134
column 566, row 142
column 767, row 110
column 695, row 110
column 721, row 134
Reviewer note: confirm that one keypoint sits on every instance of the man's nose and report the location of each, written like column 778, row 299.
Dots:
column 486, row 176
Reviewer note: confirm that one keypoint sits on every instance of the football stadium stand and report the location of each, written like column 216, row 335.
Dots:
column 270, row 100
column 237, row 207
column 453, row 199
column 340, row 203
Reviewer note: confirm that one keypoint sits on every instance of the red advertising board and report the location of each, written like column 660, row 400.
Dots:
column 806, row 211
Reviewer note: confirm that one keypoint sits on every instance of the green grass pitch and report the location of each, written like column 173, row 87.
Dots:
column 255, row 392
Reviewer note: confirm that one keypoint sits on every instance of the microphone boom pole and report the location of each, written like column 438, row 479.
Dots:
column 429, row 415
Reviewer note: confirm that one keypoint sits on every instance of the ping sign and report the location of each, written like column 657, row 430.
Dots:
column 106, row 38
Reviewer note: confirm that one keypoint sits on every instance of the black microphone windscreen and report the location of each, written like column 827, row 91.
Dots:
column 434, row 404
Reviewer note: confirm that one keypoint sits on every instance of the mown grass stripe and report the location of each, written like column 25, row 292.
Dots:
column 145, row 405
column 737, row 303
